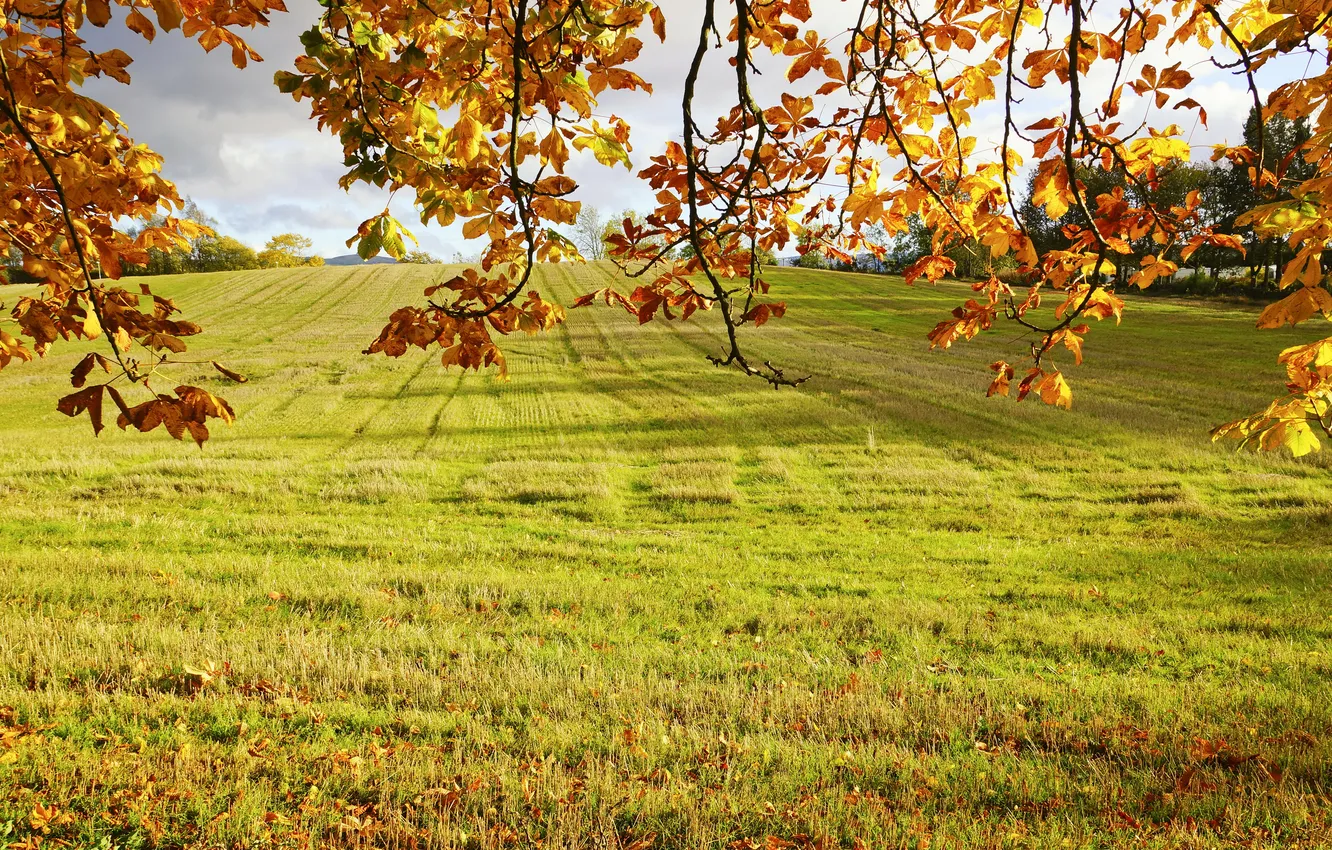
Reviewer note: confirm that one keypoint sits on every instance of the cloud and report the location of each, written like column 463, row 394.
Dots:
column 247, row 154
column 294, row 217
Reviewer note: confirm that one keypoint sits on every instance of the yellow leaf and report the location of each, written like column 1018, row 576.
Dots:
column 169, row 14
column 476, row 227
column 467, row 138
column 92, row 329
column 605, row 144
column 99, row 12
column 139, row 22
column 1296, row 307
column 554, row 150
column 1052, row 193
column 1055, row 390
column 658, row 22
column 1300, row 438
column 1305, row 268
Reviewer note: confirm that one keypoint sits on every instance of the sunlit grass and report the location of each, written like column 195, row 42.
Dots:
column 629, row 594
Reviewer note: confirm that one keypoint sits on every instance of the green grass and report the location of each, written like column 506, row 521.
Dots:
column 627, row 594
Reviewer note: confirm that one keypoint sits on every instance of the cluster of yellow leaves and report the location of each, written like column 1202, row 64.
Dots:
column 1049, row 386
column 69, row 175
column 965, row 199
column 1301, row 420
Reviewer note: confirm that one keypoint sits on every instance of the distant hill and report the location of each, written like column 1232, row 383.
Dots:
column 355, row 260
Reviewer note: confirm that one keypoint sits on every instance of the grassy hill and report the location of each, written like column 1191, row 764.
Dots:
column 627, row 597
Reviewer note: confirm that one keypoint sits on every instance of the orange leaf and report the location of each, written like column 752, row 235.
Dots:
column 1295, row 308
column 1003, row 375
column 931, row 267
column 1055, row 390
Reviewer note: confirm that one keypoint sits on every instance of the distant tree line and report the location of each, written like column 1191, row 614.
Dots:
column 422, row 258
column 215, row 252
column 1225, row 192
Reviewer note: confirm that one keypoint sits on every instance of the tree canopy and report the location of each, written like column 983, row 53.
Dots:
column 288, row 250
column 476, row 111
column 210, row 251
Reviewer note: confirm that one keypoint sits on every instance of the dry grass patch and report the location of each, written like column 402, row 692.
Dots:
column 774, row 466
column 910, row 473
column 379, row 481
column 532, row 482
column 696, row 481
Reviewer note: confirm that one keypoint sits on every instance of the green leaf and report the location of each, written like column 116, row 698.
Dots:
column 313, row 41
column 364, row 35
column 372, row 242
column 604, row 144
column 394, row 247
column 287, row 82
column 607, row 151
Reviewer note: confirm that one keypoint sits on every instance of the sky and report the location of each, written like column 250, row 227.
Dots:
column 251, row 157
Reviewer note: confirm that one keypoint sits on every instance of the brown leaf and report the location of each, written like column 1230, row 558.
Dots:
column 78, row 376
column 198, row 430
column 200, row 404
column 146, row 416
column 89, row 399
column 118, row 399
column 157, row 342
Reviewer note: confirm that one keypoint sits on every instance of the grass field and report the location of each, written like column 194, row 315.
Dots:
column 628, row 600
